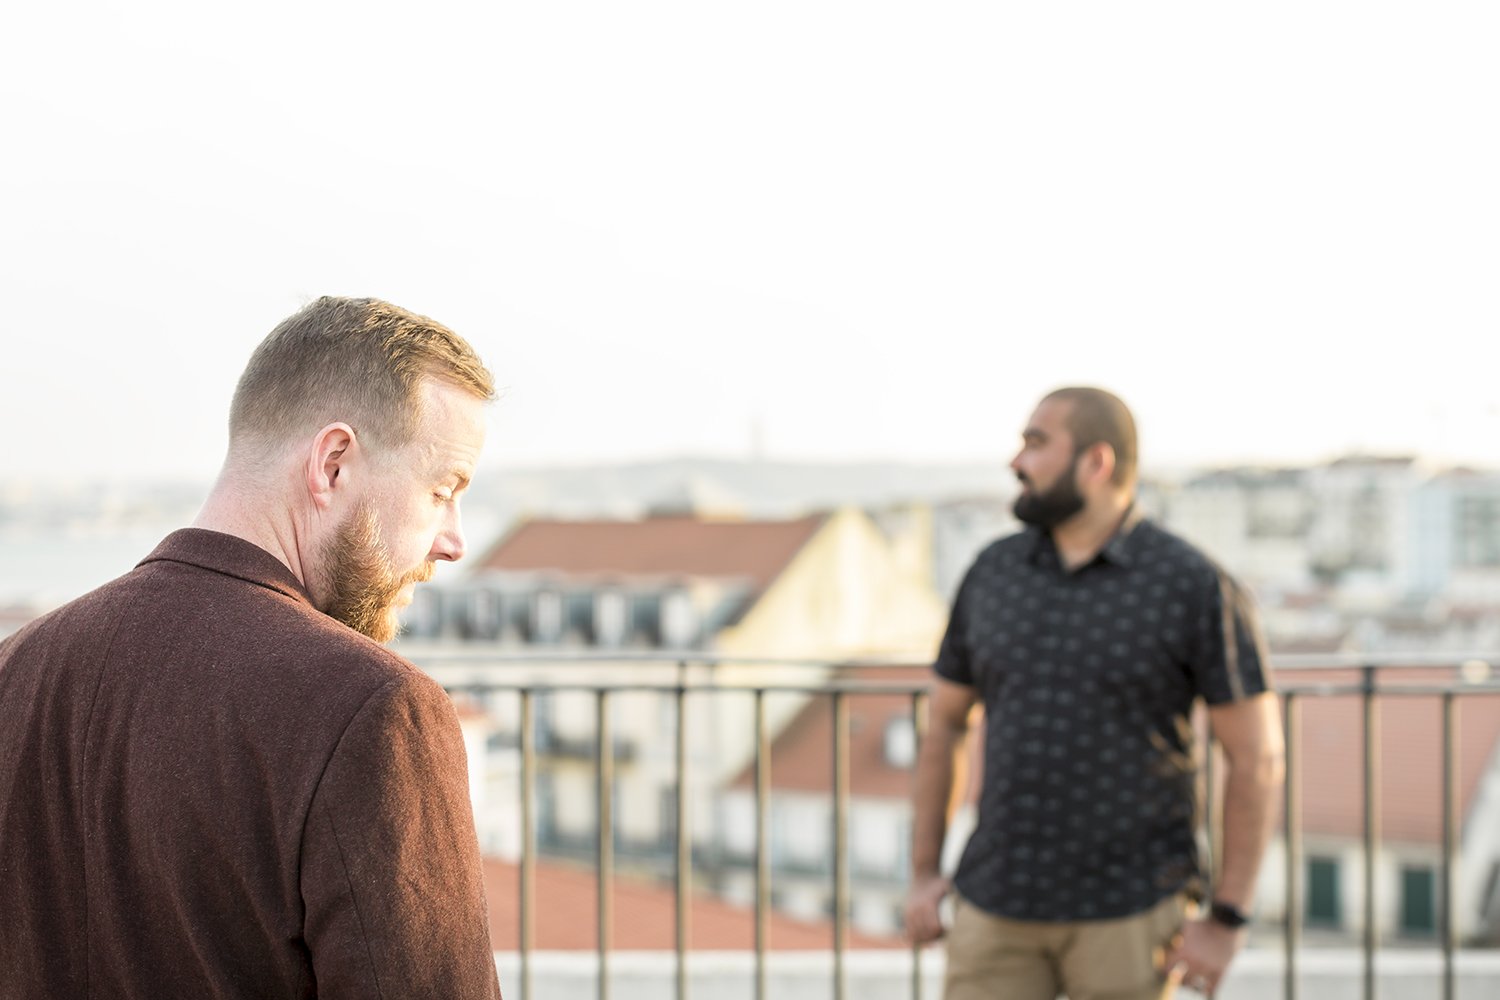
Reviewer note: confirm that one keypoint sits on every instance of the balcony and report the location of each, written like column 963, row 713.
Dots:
column 1375, row 882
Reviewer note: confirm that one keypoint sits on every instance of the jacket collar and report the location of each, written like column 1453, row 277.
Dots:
column 230, row 555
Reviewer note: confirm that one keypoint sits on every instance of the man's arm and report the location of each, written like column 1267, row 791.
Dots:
column 1250, row 733
column 938, row 782
column 390, row 878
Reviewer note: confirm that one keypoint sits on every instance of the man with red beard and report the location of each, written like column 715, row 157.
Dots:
column 1088, row 638
column 214, row 780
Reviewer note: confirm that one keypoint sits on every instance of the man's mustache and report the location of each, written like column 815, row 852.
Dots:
column 421, row 574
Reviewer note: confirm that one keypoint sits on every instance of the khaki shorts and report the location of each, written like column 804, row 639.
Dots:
column 991, row 958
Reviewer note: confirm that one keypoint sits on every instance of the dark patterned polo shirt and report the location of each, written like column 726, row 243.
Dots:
column 1088, row 809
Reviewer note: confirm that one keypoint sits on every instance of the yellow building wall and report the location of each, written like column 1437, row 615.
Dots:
column 846, row 595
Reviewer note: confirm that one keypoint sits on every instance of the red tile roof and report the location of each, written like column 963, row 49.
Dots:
column 1329, row 750
column 644, row 916
column 659, row 546
column 802, row 754
column 1411, row 756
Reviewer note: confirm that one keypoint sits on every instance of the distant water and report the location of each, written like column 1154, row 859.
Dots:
column 48, row 571
column 46, row 568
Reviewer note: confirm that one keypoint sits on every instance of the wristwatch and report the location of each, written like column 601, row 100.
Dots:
column 1227, row 915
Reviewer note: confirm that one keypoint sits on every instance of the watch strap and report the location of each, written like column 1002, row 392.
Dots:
column 1227, row 914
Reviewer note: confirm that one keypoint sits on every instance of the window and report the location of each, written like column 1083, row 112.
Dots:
column 900, row 742
column 679, row 622
column 645, row 614
column 611, row 618
column 1477, row 531
column 578, row 617
column 1491, row 896
column 481, row 614
column 544, row 720
column 1418, row 900
column 546, row 617
column 666, row 820
column 1324, row 907
column 546, row 808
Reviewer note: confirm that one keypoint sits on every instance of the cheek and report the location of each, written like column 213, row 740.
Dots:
column 411, row 534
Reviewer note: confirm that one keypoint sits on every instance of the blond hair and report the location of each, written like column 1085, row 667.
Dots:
column 360, row 361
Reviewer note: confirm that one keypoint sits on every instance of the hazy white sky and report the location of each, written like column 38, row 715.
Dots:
column 879, row 230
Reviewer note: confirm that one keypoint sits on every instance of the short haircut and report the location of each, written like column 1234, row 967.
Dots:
column 360, row 361
column 1100, row 417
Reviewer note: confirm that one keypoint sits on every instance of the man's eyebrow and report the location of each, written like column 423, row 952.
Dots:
column 1033, row 434
column 458, row 475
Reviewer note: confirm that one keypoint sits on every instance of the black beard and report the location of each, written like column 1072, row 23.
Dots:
column 1049, row 509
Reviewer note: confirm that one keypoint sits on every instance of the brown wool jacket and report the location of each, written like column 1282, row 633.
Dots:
column 209, row 789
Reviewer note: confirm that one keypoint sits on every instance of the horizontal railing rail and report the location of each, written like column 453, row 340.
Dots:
column 689, row 674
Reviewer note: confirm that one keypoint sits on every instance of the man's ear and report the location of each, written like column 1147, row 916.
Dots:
column 1101, row 463
column 328, row 459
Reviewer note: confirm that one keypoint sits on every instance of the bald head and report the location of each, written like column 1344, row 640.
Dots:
column 1095, row 416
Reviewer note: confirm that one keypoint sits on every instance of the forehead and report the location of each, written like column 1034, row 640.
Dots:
column 451, row 429
column 1050, row 420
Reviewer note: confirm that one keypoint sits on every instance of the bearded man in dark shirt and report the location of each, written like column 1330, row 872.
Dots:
column 1087, row 639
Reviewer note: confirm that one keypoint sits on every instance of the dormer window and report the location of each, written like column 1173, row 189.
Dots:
column 679, row 621
column 645, row 624
column 482, row 614
column 424, row 618
column 611, row 618
column 546, row 616
column 578, row 618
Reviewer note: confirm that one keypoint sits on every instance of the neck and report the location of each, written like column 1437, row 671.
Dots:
column 1080, row 537
column 256, row 511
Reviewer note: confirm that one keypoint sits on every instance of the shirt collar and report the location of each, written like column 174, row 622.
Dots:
column 1120, row 548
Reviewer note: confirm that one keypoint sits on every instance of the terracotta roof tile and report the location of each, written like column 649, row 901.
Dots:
column 1330, row 742
column 644, row 916
column 802, row 754
column 660, row 546
column 1411, row 757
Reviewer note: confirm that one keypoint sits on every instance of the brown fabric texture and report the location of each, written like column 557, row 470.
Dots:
column 210, row 789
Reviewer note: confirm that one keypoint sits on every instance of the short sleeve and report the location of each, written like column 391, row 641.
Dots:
column 391, row 879
column 953, row 660
column 1228, row 655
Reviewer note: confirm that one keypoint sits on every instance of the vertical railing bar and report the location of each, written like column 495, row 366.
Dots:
column 683, row 844
column 762, row 845
column 840, row 838
column 1207, row 819
column 605, row 805
column 919, row 734
column 1450, row 842
column 528, row 842
column 1292, row 839
column 1371, row 824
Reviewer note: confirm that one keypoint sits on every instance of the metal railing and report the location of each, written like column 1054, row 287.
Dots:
column 1369, row 690
column 484, row 674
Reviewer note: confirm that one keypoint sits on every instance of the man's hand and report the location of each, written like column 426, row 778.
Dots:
column 923, row 923
column 1201, row 954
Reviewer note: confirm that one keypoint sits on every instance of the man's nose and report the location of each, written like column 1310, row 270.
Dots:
column 450, row 544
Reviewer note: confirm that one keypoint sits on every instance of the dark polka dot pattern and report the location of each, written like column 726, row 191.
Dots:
column 1089, row 810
